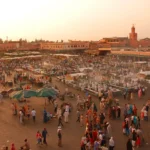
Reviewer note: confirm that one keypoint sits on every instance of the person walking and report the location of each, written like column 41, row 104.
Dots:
column 59, row 112
column 21, row 116
column 26, row 145
column 15, row 107
column 96, row 144
column 139, row 93
column 66, row 114
column 134, row 137
column 60, row 121
column 55, row 106
column 81, row 120
column 118, row 112
column 33, row 114
column 28, row 113
column 131, row 96
column 129, row 145
column 59, row 136
column 109, row 130
column 145, row 115
column 39, row 137
column 12, row 147
column 138, row 141
column 78, row 116
column 111, row 143
column 44, row 135
column 45, row 119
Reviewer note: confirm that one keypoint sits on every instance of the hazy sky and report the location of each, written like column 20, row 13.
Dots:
column 73, row 19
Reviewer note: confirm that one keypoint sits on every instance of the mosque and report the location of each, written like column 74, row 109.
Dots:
column 131, row 41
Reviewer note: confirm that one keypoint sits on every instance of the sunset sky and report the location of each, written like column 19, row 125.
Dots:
column 73, row 19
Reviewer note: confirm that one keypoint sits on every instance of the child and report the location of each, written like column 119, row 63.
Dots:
column 39, row 137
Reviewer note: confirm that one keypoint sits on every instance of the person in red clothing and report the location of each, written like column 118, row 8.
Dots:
column 13, row 146
column 91, row 141
column 138, row 141
column 39, row 137
column 94, row 117
column 134, row 110
column 20, row 79
column 28, row 87
column 89, row 113
column 89, row 98
column 94, row 135
column 86, row 120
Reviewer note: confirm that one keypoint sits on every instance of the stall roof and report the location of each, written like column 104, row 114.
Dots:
column 145, row 72
column 31, row 56
column 88, row 68
column 66, row 55
column 19, row 70
column 141, row 62
column 37, row 75
column 77, row 74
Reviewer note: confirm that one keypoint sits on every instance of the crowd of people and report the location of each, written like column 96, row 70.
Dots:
column 98, row 131
column 95, row 119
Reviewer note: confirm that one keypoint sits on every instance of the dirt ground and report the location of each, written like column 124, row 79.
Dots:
column 11, row 130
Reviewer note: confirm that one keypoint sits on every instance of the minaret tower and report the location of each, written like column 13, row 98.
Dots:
column 133, row 35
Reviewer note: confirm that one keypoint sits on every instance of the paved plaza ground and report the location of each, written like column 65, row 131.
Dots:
column 12, row 130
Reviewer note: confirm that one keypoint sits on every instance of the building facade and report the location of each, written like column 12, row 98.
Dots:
column 144, row 43
column 71, row 45
column 132, row 41
column 115, row 42
column 11, row 45
column 119, row 42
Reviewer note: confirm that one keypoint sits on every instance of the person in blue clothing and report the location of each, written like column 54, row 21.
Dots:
column 96, row 145
column 44, row 116
column 129, row 109
column 86, row 93
column 44, row 135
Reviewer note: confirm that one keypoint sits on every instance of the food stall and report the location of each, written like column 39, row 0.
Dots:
column 37, row 79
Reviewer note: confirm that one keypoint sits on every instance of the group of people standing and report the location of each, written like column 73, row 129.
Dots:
column 98, row 131
column 23, row 112
column 132, row 125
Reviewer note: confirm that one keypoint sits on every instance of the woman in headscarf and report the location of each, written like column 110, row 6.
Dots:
column 13, row 146
column 129, row 145
column 140, row 93
column 134, row 110
column 138, row 141
column 96, row 144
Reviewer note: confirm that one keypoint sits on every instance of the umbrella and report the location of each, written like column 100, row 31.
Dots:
column 46, row 92
column 17, row 95
column 29, row 93
column 24, row 94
